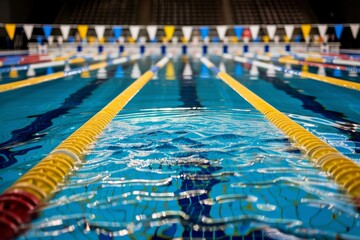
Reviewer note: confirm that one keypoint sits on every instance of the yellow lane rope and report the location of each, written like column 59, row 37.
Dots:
column 57, row 75
column 345, row 172
column 329, row 80
column 42, row 180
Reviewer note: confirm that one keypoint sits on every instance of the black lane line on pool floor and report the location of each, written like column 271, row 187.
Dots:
column 309, row 103
column 188, row 90
column 193, row 206
column 42, row 122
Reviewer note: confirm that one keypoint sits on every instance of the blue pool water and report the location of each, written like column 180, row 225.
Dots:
column 187, row 157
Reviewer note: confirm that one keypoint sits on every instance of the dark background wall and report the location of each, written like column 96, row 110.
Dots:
column 46, row 11
column 25, row 11
column 336, row 11
column 339, row 11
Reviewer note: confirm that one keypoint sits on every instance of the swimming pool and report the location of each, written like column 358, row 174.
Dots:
column 187, row 157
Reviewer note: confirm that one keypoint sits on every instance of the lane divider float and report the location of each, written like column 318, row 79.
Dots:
column 56, row 62
column 300, row 61
column 38, row 184
column 321, row 58
column 326, row 79
column 343, row 170
column 305, row 61
column 57, row 75
column 336, row 55
column 311, row 57
column 28, row 59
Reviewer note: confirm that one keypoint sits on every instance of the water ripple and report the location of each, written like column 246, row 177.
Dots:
column 199, row 174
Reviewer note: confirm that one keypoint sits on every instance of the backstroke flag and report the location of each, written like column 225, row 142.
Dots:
column 238, row 30
column 338, row 30
column 204, row 32
column 271, row 30
column 134, row 31
column 187, row 31
column 289, row 30
column 354, row 29
column 10, row 29
column 28, row 29
column 322, row 30
column 47, row 30
column 306, row 29
column 221, row 30
column 65, row 29
column 82, row 31
column 99, row 30
column 152, row 32
column 169, row 31
column 117, row 30
column 254, row 29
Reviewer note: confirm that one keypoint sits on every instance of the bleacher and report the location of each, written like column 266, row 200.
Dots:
column 272, row 12
column 104, row 12
column 186, row 12
column 246, row 12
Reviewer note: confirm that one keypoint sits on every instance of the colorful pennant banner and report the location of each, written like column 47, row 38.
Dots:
column 254, row 29
column 354, row 29
column 65, row 29
column 28, row 29
column 152, row 32
column 204, row 32
column 238, row 30
column 187, row 31
column 99, row 30
column 169, row 31
column 117, row 30
column 10, row 29
column 134, row 31
column 271, row 29
column 82, row 29
column 289, row 30
column 338, row 30
column 221, row 30
column 322, row 30
column 47, row 30
column 306, row 28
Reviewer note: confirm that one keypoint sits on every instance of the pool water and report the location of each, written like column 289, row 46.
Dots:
column 187, row 157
